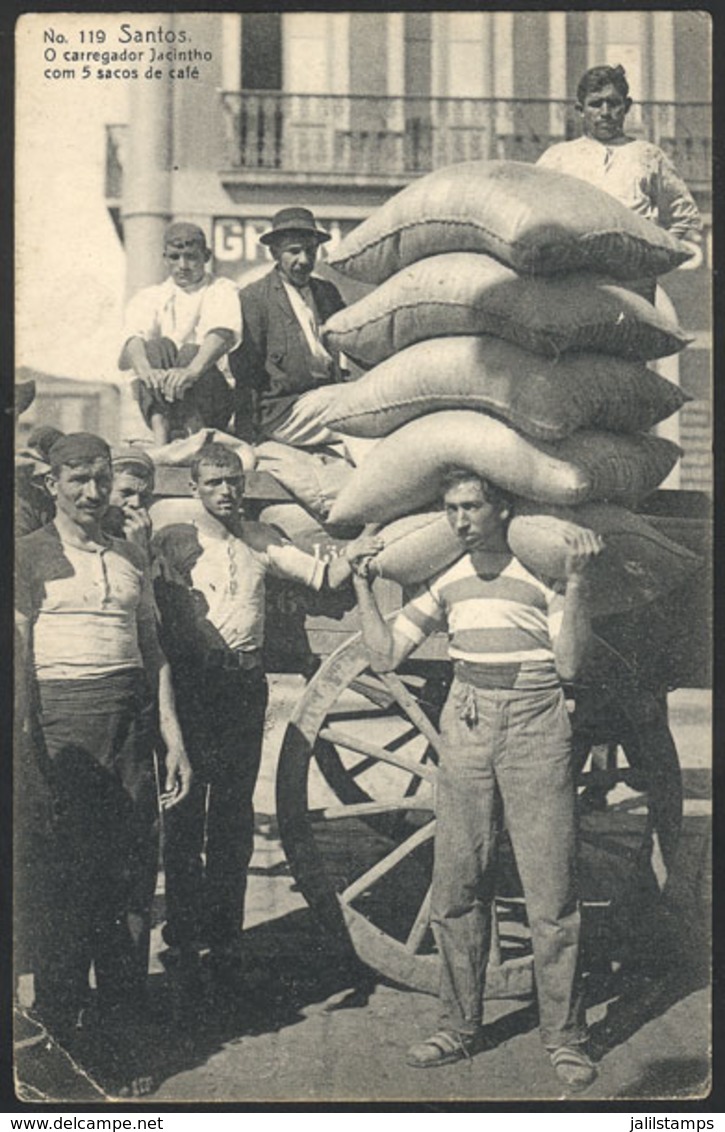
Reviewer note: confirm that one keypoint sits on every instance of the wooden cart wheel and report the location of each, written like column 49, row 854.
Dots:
column 356, row 816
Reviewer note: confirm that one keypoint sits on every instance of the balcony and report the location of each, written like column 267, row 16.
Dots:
column 362, row 142
column 361, row 139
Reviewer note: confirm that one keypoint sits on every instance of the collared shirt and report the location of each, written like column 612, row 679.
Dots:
column 306, row 313
column 638, row 173
column 185, row 315
column 84, row 602
column 509, row 619
column 226, row 575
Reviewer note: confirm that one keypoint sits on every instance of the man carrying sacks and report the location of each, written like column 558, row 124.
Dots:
column 506, row 732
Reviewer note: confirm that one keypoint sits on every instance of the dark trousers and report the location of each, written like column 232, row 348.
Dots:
column 222, row 717
column 103, row 843
column 208, row 404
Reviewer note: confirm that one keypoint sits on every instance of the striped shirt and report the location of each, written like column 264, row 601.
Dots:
column 506, row 622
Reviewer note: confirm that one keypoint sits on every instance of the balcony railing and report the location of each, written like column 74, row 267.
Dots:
column 357, row 139
column 366, row 137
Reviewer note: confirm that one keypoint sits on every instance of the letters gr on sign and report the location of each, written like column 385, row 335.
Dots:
column 236, row 246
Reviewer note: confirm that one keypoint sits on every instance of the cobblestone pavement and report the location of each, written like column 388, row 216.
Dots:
column 308, row 1024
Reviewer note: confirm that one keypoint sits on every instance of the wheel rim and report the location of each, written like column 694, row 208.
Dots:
column 357, row 766
column 364, row 745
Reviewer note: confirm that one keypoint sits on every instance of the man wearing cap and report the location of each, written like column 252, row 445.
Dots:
column 176, row 333
column 131, row 496
column 282, row 358
column 91, row 662
column 34, row 505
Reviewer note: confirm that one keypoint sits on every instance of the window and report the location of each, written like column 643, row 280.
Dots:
column 262, row 51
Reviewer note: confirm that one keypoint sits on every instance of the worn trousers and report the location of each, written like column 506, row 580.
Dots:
column 513, row 748
column 209, row 401
column 102, row 844
column 209, row 837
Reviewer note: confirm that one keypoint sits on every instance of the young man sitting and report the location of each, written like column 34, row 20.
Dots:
column 176, row 333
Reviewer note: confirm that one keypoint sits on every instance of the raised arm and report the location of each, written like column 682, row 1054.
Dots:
column 574, row 636
column 358, row 550
column 386, row 647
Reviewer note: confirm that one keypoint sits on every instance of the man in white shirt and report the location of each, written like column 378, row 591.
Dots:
column 637, row 172
column 211, row 596
column 175, row 334
column 90, row 668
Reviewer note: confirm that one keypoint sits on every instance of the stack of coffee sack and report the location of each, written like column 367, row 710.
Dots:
column 313, row 478
column 504, row 334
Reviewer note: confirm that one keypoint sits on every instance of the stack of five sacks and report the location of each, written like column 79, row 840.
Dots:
column 502, row 335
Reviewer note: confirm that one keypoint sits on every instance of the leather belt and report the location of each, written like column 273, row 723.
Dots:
column 234, row 660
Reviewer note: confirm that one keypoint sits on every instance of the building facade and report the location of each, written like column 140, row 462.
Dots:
column 70, row 405
column 339, row 110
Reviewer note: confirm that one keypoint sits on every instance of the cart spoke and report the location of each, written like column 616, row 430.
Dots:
column 413, row 710
column 413, row 786
column 360, row 768
column 364, row 714
column 416, row 934
column 381, row 754
column 387, row 863
column 368, row 809
column 401, row 740
column 372, row 689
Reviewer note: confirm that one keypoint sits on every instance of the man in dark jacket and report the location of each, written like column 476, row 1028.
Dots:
column 282, row 365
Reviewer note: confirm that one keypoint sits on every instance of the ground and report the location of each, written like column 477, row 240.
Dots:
column 310, row 1025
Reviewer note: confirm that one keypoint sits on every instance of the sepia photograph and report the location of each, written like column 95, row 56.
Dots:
column 363, row 509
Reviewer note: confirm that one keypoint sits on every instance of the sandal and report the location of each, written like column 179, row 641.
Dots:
column 573, row 1067
column 441, row 1048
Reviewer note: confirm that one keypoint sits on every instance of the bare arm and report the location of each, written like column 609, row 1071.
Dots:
column 178, row 769
column 133, row 356
column 386, row 649
column 215, row 344
column 360, row 549
column 574, row 636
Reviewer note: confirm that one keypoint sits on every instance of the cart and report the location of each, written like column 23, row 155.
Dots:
column 357, row 766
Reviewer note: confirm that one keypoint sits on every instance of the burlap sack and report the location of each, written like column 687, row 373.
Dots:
column 544, row 398
column 313, row 478
column 533, row 219
column 638, row 564
column 416, row 547
column 403, row 472
column 464, row 293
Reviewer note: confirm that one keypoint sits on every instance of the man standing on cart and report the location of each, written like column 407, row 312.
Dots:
column 507, row 738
